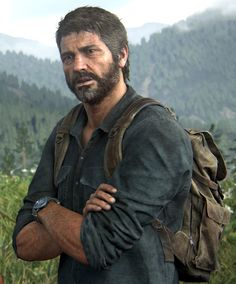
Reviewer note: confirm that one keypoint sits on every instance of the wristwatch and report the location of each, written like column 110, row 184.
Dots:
column 42, row 203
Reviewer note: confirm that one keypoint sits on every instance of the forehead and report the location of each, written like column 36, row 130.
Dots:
column 82, row 39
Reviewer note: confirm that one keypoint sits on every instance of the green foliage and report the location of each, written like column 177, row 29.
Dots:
column 227, row 272
column 16, row 271
column 39, row 72
column 8, row 161
column 191, row 69
column 190, row 66
column 23, row 145
column 28, row 114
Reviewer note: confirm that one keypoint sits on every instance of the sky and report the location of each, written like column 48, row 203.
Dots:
column 38, row 20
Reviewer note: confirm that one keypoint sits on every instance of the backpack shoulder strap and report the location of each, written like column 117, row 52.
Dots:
column 113, row 150
column 221, row 170
column 63, row 138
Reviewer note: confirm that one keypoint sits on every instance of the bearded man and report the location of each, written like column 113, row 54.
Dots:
column 101, row 227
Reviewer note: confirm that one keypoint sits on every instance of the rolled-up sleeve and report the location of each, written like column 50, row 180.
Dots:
column 152, row 179
column 41, row 185
column 107, row 234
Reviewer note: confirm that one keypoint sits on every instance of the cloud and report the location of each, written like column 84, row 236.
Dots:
column 38, row 19
column 6, row 11
column 133, row 13
column 227, row 5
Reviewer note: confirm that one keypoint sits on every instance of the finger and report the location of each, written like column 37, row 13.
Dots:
column 99, row 203
column 91, row 207
column 105, row 197
column 107, row 188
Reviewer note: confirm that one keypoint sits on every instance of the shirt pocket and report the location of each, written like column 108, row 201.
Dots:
column 63, row 181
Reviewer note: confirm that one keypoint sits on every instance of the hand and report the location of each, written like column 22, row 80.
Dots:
column 101, row 199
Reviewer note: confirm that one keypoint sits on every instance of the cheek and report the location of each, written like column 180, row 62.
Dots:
column 67, row 74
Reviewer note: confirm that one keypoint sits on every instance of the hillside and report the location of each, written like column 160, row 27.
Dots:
column 191, row 70
column 27, row 114
column 42, row 51
column 29, row 47
column 190, row 66
column 41, row 72
column 135, row 35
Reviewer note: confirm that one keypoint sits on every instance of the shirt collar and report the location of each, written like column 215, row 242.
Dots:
column 112, row 116
column 118, row 109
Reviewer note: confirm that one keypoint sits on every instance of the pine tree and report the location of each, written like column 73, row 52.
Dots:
column 8, row 161
column 23, row 146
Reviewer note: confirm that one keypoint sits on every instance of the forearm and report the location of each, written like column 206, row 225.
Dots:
column 63, row 225
column 33, row 242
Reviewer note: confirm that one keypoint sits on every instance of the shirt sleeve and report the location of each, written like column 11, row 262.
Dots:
column 152, row 179
column 41, row 185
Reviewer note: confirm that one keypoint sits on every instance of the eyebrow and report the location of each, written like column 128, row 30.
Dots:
column 88, row 47
column 81, row 49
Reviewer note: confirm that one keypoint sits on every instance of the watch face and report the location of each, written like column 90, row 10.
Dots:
column 40, row 203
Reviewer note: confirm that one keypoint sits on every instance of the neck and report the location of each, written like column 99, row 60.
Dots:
column 97, row 113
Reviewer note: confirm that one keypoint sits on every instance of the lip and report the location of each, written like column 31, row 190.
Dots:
column 84, row 83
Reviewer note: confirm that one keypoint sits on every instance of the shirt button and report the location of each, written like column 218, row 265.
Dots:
column 81, row 158
column 76, row 183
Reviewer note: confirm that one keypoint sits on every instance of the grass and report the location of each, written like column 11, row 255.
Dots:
column 13, row 270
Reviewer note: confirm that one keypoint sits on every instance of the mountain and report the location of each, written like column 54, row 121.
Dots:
column 190, row 66
column 192, row 70
column 49, row 71
column 206, row 18
column 28, row 47
column 40, row 72
column 39, row 50
column 135, row 35
column 28, row 114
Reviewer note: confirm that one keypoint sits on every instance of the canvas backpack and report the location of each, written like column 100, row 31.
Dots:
column 194, row 247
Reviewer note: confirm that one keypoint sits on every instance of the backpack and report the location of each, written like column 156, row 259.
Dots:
column 194, row 246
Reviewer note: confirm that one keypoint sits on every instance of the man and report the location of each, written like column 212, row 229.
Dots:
column 113, row 241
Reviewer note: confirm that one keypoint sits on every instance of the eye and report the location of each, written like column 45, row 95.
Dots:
column 67, row 59
column 91, row 50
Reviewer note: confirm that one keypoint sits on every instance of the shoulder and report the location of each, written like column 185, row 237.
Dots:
column 156, row 118
column 156, row 125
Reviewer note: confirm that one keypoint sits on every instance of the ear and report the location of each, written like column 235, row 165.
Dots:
column 123, row 56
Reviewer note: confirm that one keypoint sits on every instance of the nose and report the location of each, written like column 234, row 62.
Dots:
column 79, row 63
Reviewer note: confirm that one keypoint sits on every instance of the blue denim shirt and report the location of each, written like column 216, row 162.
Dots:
column 152, row 179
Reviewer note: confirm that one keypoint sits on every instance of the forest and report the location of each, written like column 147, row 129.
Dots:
column 190, row 67
column 27, row 114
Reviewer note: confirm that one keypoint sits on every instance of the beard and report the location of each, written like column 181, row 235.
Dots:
column 94, row 95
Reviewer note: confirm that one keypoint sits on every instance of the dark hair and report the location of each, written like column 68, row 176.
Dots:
column 101, row 22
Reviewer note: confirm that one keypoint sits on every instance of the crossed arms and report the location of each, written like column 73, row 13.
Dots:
column 161, row 173
column 58, row 229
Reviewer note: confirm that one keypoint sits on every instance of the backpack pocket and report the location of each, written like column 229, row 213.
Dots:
column 215, row 217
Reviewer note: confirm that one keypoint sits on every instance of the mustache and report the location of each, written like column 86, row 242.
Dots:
column 82, row 76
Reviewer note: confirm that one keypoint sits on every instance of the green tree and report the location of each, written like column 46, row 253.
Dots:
column 23, row 146
column 227, row 254
column 8, row 161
